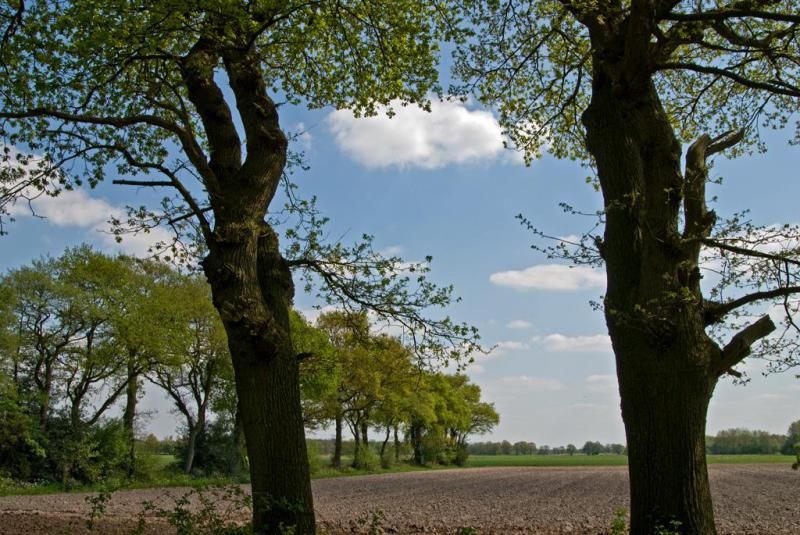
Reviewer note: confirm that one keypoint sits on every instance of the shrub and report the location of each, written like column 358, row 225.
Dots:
column 314, row 461
column 461, row 455
column 22, row 452
column 216, row 452
column 365, row 458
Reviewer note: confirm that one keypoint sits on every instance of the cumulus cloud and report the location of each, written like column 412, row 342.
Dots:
column 69, row 209
column 559, row 343
column 450, row 133
column 518, row 324
column 550, row 277
column 301, row 135
column 76, row 208
column 526, row 382
column 601, row 383
column 503, row 348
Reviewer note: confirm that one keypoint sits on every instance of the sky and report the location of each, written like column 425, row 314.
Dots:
column 442, row 184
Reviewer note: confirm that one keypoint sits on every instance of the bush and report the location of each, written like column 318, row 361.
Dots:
column 314, row 461
column 365, row 458
column 216, row 452
column 85, row 456
column 22, row 454
column 461, row 455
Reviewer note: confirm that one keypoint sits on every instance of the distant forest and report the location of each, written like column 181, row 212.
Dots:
column 727, row 442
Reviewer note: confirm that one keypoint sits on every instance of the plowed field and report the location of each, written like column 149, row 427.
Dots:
column 748, row 499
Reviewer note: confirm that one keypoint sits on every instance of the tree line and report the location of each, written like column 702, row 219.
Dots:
column 81, row 333
column 736, row 441
column 530, row 448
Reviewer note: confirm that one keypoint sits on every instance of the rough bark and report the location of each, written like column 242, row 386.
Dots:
column 252, row 288
column 666, row 364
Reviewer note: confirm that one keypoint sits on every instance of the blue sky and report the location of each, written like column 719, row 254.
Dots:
column 441, row 184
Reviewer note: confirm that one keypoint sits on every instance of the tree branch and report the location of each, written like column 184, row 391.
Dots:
column 714, row 312
column 189, row 144
column 772, row 87
column 197, row 70
column 747, row 252
column 732, row 13
column 739, row 346
column 143, row 183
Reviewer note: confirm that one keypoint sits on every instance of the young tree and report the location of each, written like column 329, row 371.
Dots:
column 159, row 90
column 50, row 326
column 622, row 85
column 190, row 374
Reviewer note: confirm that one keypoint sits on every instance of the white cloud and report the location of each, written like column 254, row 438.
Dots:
column 450, row 133
column 68, row 209
column 550, row 277
column 502, row 348
column 559, row 343
column 76, row 208
column 518, row 324
column 474, row 369
column 601, row 383
column 527, row 382
column 301, row 135
column 392, row 250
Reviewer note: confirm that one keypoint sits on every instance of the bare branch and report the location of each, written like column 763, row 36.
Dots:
column 714, row 311
column 732, row 13
column 739, row 346
column 709, row 242
column 773, row 87
column 143, row 183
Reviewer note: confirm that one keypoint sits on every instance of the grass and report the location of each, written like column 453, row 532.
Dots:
column 164, row 477
column 578, row 459
column 475, row 461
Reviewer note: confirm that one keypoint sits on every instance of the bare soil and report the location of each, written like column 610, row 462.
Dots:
column 748, row 500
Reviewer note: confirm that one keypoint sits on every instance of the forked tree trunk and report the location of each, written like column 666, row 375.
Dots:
column 251, row 283
column 653, row 307
column 386, row 440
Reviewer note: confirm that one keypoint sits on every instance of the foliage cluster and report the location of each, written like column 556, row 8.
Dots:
column 375, row 382
column 81, row 333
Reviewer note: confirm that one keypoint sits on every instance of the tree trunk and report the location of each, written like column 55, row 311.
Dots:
column 414, row 432
column 336, row 461
column 386, row 440
column 356, row 444
column 396, row 444
column 252, row 289
column 653, row 307
column 190, row 449
column 665, row 421
column 364, row 438
column 239, row 441
column 129, row 416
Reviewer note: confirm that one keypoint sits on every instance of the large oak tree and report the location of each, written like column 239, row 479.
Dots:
column 181, row 95
column 633, row 87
